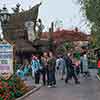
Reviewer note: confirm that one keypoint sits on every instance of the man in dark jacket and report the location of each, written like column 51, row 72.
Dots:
column 70, row 70
column 51, row 70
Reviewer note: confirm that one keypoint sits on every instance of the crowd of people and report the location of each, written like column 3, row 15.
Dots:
column 47, row 66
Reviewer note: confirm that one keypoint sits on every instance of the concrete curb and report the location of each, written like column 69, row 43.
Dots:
column 98, row 77
column 30, row 92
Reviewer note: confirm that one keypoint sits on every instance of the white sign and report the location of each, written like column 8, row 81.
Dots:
column 31, row 34
column 6, row 59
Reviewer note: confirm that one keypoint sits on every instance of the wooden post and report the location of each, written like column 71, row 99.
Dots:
column 14, row 57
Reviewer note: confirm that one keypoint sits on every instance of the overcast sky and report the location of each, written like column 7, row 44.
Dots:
column 67, row 11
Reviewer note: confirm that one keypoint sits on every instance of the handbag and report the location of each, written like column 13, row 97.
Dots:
column 33, row 73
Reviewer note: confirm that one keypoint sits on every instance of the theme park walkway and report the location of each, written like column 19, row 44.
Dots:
column 89, row 89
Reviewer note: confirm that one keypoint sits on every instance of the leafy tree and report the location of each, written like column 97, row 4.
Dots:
column 68, row 45
column 91, row 9
column 61, row 49
column 64, row 47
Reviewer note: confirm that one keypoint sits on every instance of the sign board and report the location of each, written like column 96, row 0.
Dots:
column 6, row 59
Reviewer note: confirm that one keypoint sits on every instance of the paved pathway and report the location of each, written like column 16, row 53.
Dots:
column 29, row 81
column 89, row 89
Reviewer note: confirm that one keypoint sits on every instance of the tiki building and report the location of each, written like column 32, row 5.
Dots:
column 17, row 32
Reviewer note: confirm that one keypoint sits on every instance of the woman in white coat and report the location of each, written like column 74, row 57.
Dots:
column 85, row 65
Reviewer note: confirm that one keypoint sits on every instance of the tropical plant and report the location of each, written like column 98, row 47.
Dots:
column 91, row 10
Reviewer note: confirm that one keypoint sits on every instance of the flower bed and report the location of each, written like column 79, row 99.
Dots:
column 13, row 88
column 8, row 89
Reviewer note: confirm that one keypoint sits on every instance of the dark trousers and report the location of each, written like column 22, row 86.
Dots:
column 81, row 67
column 71, row 75
column 37, row 77
column 51, row 78
column 77, row 70
column 86, row 74
column 48, row 77
column 44, row 72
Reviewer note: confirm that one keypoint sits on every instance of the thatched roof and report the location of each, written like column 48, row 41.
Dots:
column 67, row 35
column 17, row 21
column 16, row 29
column 41, row 42
column 24, row 46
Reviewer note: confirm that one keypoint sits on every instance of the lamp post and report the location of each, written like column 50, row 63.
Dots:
column 4, row 18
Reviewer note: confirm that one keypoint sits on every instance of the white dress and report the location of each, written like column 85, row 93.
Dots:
column 85, row 63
